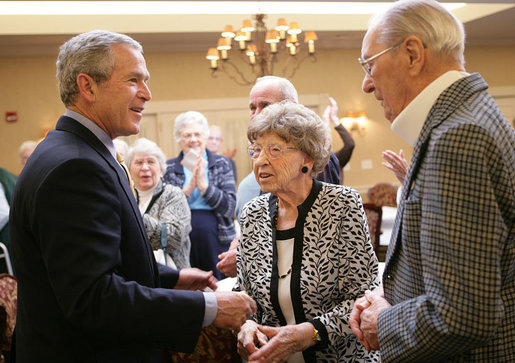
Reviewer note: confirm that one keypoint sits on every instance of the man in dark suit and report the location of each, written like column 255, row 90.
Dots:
column 448, row 289
column 89, row 287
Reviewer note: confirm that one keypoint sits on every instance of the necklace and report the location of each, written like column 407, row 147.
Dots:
column 276, row 213
column 275, row 222
column 286, row 274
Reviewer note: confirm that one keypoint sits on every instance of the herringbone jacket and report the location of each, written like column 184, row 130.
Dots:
column 451, row 262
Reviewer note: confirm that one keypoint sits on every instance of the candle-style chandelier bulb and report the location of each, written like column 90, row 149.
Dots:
column 265, row 49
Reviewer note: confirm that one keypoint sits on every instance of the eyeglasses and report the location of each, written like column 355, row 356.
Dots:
column 140, row 162
column 190, row 135
column 365, row 62
column 274, row 151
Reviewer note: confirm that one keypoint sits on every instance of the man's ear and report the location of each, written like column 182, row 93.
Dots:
column 416, row 54
column 87, row 87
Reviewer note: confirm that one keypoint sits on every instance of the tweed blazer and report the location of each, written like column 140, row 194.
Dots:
column 450, row 265
column 220, row 193
column 169, row 206
column 333, row 264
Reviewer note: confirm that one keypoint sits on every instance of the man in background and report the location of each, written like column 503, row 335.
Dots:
column 26, row 148
column 89, row 289
column 448, row 290
column 214, row 144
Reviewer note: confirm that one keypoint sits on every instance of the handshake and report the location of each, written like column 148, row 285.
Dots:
column 234, row 308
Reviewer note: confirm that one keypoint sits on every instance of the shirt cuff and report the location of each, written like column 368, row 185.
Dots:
column 211, row 308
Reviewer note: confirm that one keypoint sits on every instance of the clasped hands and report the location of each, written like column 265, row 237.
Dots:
column 363, row 318
column 268, row 344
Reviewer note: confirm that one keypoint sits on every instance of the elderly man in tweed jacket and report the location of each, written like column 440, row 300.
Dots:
column 448, row 287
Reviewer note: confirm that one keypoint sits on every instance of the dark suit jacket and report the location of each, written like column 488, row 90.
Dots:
column 450, row 264
column 89, row 286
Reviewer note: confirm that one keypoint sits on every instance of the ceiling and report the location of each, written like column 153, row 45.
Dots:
column 491, row 23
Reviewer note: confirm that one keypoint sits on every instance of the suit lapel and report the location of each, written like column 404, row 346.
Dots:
column 70, row 125
column 452, row 98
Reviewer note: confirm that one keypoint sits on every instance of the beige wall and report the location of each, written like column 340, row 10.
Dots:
column 29, row 87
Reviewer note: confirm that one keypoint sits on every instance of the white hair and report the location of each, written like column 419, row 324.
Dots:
column 146, row 146
column 286, row 88
column 188, row 118
column 439, row 30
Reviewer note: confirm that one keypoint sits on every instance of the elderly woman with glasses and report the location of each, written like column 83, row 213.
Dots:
column 207, row 181
column 305, row 253
column 164, row 208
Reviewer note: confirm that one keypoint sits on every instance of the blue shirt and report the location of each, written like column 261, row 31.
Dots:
column 196, row 200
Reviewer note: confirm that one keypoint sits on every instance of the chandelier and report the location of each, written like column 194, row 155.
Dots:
column 261, row 49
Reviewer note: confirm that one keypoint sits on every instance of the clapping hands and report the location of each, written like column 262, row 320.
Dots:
column 198, row 180
column 331, row 113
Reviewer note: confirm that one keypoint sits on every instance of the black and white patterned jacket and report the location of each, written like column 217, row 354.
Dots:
column 333, row 264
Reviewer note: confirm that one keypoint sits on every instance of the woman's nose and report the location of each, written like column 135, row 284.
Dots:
column 261, row 159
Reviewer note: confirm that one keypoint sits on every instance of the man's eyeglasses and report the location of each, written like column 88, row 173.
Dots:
column 365, row 62
column 274, row 151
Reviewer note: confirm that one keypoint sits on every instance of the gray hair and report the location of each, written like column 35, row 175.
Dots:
column 296, row 124
column 436, row 27
column 286, row 88
column 90, row 53
column 146, row 146
column 188, row 118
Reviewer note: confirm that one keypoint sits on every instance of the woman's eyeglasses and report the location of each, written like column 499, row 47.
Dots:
column 273, row 151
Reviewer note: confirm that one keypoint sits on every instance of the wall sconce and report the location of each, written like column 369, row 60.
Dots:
column 355, row 123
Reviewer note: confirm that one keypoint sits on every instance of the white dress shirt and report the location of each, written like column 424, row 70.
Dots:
column 409, row 122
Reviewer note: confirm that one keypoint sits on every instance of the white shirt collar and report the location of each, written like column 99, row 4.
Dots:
column 409, row 122
column 95, row 129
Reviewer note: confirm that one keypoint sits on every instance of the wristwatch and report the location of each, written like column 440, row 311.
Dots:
column 316, row 336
